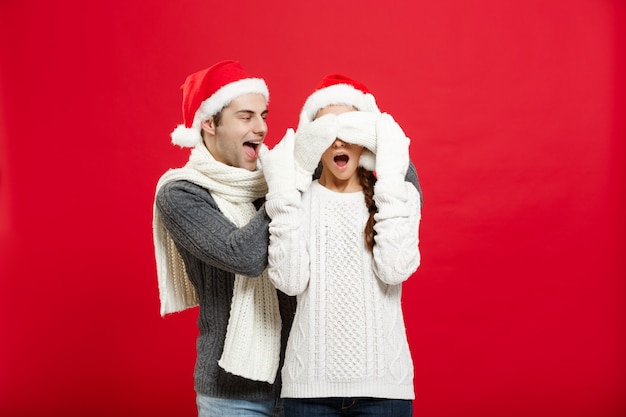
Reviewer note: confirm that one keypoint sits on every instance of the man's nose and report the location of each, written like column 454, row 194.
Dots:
column 260, row 126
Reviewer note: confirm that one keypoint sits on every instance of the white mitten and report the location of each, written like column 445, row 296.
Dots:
column 392, row 153
column 278, row 165
column 359, row 128
column 311, row 141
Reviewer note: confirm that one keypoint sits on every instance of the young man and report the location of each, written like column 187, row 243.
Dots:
column 211, row 240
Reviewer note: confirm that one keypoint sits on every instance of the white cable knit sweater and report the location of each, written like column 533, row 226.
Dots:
column 348, row 337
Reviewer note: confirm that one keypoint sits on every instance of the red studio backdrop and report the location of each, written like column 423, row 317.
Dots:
column 516, row 114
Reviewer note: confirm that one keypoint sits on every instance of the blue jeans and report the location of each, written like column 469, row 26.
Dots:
column 347, row 407
column 224, row 407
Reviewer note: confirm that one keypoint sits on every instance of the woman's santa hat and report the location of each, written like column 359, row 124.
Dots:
column 336, row 89
column 207, row 92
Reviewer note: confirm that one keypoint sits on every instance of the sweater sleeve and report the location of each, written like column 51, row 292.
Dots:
column 412, row 177
column 193, row 219
column 396, row 251
column 288, row 256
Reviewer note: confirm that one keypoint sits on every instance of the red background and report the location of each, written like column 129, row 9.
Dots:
column 516, row 114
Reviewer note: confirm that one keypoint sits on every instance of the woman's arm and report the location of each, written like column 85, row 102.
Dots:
column 396, row 251
column 288, row 255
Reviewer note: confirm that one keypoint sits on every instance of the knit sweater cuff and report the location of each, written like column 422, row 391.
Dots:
column 303, row 178
column 283, row 203
column 391, row 199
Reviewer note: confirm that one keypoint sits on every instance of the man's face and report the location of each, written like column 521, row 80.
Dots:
column 241, row 131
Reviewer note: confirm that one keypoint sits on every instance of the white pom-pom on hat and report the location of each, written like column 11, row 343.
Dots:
column 186, row 137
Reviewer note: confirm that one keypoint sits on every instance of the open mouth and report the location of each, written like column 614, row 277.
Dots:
column 252, row 149
column 341, row 160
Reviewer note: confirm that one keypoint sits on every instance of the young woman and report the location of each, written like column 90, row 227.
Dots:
column 343, row 247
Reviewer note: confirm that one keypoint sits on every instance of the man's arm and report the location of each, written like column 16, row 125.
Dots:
column 411, row 176
column 193, row 219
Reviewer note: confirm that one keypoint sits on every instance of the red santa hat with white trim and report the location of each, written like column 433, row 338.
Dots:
column 207, row 92
column 338, row 89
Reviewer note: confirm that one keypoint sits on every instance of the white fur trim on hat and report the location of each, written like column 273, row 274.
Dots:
column 338, row 94
column 222, row 97
column 368, row 160
column 190, row 137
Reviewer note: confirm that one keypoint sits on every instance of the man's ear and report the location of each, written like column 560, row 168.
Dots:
column 209, row 126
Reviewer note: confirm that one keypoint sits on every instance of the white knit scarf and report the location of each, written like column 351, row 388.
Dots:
column 252, row 345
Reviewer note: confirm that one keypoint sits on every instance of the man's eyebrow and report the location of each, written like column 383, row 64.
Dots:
column 251, row 112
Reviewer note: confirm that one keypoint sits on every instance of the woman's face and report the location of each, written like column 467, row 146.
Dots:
column 341, row 160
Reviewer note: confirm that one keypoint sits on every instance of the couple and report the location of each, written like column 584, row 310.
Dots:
column 244, row 232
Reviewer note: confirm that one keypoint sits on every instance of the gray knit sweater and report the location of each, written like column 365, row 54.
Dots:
column 214, row 250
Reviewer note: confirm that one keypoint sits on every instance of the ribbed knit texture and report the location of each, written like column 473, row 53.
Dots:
column 252, row 344
column 348, row 338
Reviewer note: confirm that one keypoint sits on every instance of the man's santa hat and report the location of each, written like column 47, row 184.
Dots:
column 207, row 92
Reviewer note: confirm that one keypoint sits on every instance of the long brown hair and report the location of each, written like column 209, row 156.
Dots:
column 367, row 180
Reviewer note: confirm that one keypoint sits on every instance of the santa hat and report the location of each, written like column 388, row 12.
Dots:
column 338, row 89
column 207, row 92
